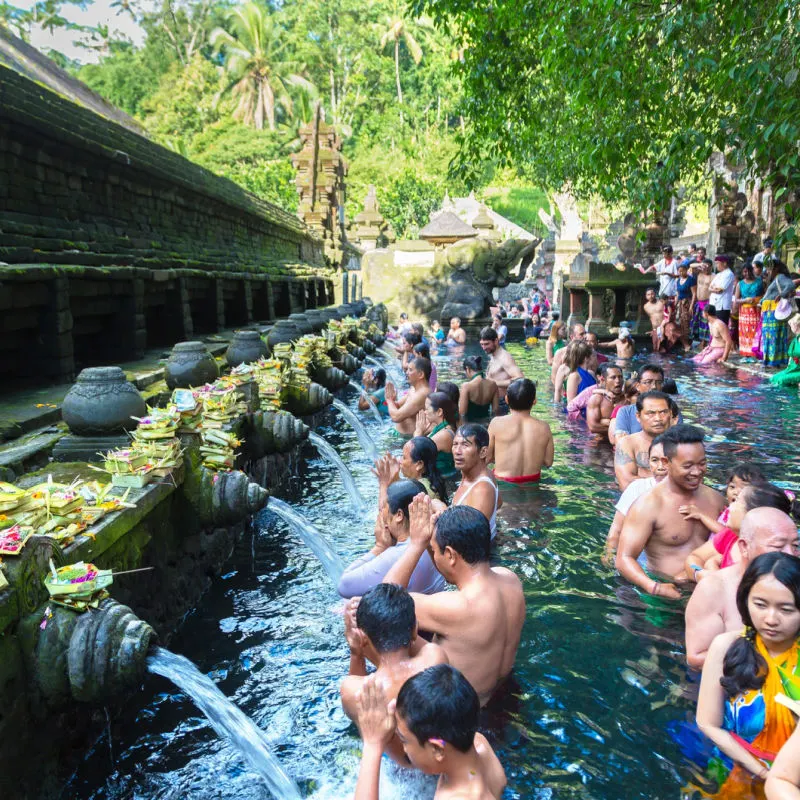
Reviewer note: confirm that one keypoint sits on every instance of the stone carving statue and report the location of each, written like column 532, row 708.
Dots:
column 478, row 266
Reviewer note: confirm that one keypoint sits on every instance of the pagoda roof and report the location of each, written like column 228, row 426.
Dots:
column 446, row 225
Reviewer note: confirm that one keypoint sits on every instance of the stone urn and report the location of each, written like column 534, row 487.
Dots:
column 102, row 401
column 302, row 323
column 246, row 347
column 328, row 314
column 317, row 319
column 283, row 331
column 190, row 364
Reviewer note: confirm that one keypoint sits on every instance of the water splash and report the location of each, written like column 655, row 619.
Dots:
column 328, row 452
column 367, row 445
column 374, row 361
column 312, row 537
column 229, row 721
column 372, row 407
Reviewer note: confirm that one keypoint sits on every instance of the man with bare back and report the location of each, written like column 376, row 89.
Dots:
column 655, row 526
column 654, row 308
column 479, row 625
column 632, row 455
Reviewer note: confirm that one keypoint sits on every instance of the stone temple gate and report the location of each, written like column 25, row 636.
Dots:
column 111, row 244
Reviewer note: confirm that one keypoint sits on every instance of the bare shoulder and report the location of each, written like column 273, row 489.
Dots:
column 721, row 644
column 508, row 577
column 430, row 655
column 712, row 495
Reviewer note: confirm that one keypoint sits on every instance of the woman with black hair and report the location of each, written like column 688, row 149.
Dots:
column 439, row 420
column 418, row 463
column 477, row 395
column 737, row 707
column 374, row 383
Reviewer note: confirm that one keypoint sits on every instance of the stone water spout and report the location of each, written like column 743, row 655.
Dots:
column 270, row 432
column 303, row 402
column 223, row 498
column 91, row 657
column 332, row 378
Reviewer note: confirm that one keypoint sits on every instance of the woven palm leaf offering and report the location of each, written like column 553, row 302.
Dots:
column 218, row 448
column 13, row 539
column 160, row 423
column 268, row 375
column 129, row 468
column 188, row 405
column 10, row 496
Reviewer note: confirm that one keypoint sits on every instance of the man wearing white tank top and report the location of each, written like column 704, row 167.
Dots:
column 477, row 488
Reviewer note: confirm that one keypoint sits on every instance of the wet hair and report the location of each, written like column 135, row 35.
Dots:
column 488, row 334
column 380, row 377
column 386, row 615
column 472, row 430
column 465, row 530
column 747, row 472
column 441, row 402
column 440, row 703
column 763, row 494
column 669, row 386
column 400, row 494
column 521, row 394
column 412, row 338
column 422, row 350
column 651, row 395
column 681, row 434
column 606, row 366
column 744, row 668
column 424, row 449
column 450, row 389
column 418, row 329
column 580, row 352
column 651, row 368
column 711, row 311
column 475, row 363
column 423, row 365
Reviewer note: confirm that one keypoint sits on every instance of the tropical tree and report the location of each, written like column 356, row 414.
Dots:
column 258, row 74
column 397, row 28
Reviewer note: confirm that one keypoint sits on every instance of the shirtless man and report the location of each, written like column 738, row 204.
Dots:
column 502, row 369
column 704, row 278
column 623, row 344
column 632, row 456
column 602, row 403
column 520, row 445
column 381, row 627
column 477, row 488
column 456, row 334
column 577, row 331
column 436, row 718
column 403, row 411
column 654, row 525
column 712, row 608
column 654, row 308
column 721, row 343
column 480, row 624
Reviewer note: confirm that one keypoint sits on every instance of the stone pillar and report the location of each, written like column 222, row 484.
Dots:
column 185, row 310
column 140, row 322
column 58, row 360
column 219, row 302
column 247, row 292
column 597, row 321
column 577, row 307
column 270, row 302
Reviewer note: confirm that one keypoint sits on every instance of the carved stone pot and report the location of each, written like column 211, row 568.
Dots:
column 190, row 364
column 283, row 331
column 302, row 323
column 246, row 347
column 328, row 314
column 102, row 401
column 317, row 319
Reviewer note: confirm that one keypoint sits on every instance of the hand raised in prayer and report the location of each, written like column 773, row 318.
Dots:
column 390, row 393
column 386, row 469
column 420, row 517
column 376, row 720
column 352, row 633
column 421, row 426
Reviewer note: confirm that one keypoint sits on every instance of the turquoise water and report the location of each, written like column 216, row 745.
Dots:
column 599, row 681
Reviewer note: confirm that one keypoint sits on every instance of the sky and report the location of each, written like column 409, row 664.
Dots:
column 96, row 13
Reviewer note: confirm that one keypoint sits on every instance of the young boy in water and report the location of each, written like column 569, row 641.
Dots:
column 381, row 627
column 435, row 716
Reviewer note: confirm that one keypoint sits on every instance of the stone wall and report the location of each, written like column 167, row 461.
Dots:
column 111, row 244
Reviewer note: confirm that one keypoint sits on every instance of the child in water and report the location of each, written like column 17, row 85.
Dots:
column 437, row 334
column 436, row 719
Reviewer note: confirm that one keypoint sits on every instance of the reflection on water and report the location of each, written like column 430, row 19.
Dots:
column 600, row 677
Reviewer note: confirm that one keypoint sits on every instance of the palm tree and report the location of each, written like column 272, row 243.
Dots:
column 397, row 27
column 258, row 76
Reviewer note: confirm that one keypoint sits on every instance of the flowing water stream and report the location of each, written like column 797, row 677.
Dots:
column 600, row 681
column 329, row 453
column 376, row 415
column 367, row 443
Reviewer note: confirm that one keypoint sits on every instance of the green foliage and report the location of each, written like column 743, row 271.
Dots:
column 629, row 99
column 518, row 201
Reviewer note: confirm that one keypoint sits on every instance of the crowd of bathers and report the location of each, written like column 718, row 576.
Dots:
column 441, row 626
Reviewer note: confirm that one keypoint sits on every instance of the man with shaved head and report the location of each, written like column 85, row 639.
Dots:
column 712, row 608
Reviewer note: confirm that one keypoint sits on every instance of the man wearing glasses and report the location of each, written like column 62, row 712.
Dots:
column 632, row 457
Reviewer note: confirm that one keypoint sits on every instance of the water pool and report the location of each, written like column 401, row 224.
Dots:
column 599, row 681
